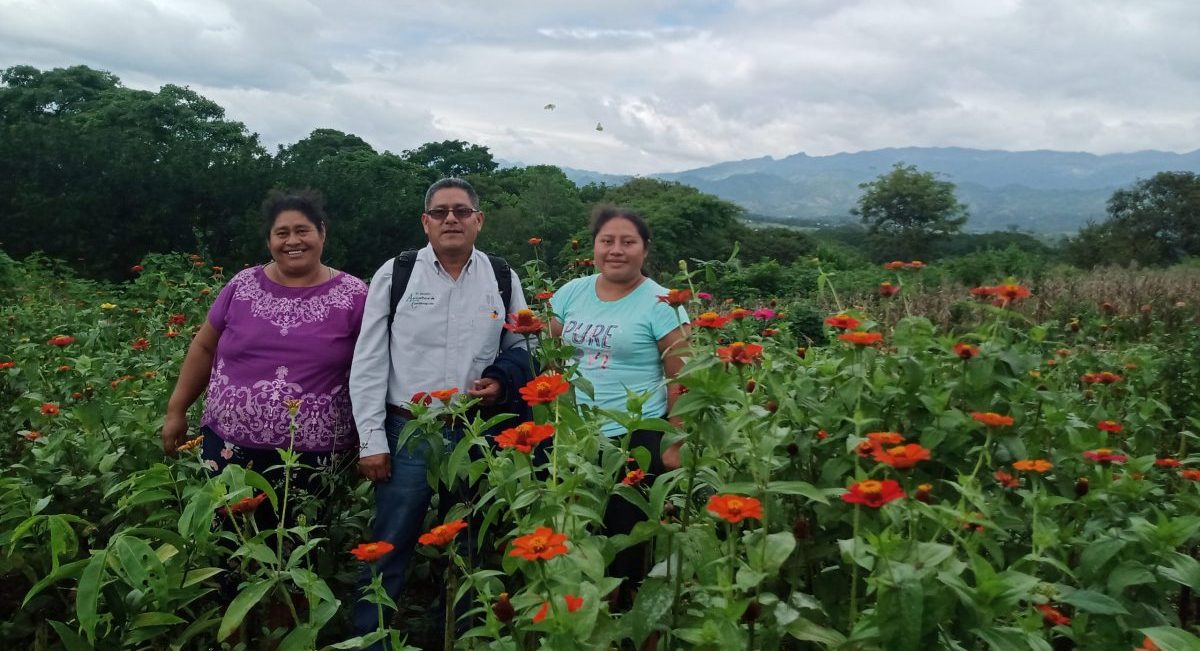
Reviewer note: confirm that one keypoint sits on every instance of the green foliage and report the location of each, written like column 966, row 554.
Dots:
column 907, row 210
column 1155, row 222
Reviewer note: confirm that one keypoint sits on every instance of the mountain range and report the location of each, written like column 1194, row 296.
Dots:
column 1034, row 191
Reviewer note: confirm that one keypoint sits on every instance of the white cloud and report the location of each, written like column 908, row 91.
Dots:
column 675, row 85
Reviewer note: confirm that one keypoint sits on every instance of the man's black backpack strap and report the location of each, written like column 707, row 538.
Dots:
column 402, row 267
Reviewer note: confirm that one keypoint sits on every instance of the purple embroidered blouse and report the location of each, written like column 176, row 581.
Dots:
column 281, row 343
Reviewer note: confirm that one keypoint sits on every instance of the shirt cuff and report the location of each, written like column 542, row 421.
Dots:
column 374, row 442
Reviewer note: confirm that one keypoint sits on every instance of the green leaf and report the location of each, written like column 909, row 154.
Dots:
column 901, row 607
column 1097, row 553
column 802, row 488
column 1169, row 638
column 1094, row 602
column 156, row 619
column 68, row 571
column 70, row 638
column 242, row 603
column 87, row 596
column 195, row 576
column 653, row 602
column 779, row 546
column 1183, row 570
column 1003, row 639
column 804, row 629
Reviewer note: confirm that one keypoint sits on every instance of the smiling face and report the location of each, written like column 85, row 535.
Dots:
column 619, row 251
column 452, row 235
column 296, row 244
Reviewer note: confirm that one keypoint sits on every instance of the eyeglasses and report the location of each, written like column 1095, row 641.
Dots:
column 459, row 213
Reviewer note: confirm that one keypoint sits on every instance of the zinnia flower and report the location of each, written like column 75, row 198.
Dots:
column 443, row 395
column 31, row 436
column 1053, row 616
column 543, row 544
column 544, row 388
column 737, row 313
column 372, row 551
column 1033, row 465
column 503, row 608
column 764, row 314
column 861, row 338
column 535, row 241
column 915, row 264
column 873, row 493
column 49, row 409
column 141, row 343
column 1104, row 455
column 244, row 505
column 524, row 437
column 895, row 264
column 634, row 477
column 740, row 353
column 177, row 319
column 676, row 297
column 902, row 457
column 1010, row 293
column 888, row 290
column 734, row 508
column 1167, row 463
column 441, row 535
column 843, row 321
column 524, row 322
column 983, row 292
column 1148, row 645
column 4, row 365
column 992, row 419
column 1006, row 480
column 923, row 493
column 1103, row 377
column 421, row 398
column 704, row 296
column 137, row 268
column 543, row 296
column 1110, row 426
column 965, row 351
column 1193, row 475
column 710, row 320
column 191, row 444
column 108, row 306
column 61, row 340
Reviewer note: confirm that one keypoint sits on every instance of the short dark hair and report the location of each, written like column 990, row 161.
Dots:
column 452, row 182
column 308, row 202
column 605, row 213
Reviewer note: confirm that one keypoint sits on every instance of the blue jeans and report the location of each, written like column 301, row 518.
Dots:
column 400, row 506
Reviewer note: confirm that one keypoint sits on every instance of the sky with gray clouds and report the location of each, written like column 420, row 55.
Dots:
column 675, row 85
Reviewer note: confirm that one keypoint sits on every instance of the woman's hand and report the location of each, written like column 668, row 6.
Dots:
column 174, row 433
column 670, row 456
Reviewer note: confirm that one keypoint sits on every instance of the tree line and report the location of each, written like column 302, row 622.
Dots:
column 98, row 175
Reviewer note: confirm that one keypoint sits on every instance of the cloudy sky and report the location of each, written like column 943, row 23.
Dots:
column 675, row 84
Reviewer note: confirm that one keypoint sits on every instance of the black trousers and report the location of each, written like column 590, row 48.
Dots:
column 620, row 516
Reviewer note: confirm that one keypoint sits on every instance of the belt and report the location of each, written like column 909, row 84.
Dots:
column 399, row 411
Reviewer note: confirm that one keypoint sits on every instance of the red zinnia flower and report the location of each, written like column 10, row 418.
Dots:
column 740, row 353
column 535, row 241
column 1148, row 645
column 1193, row 475
column 171, row 334
column 61, row 340
column 372, row 551
column 965, row 351
column 873, row 493
column 503, row 608
column 1110, row 426
column 544, row 296
column 141, row 343
column 1006, row 480
column 177, row 319
column 634, row 477
column 895, row 264
column 544, row 388
column 1103, row 377
column 421, row 398
column 734, row 508
column 843, row 321
column 992, row 419
column 1009, row 293
column 1053, row 616
column 710, row 320
column 915, row 264
column 441, row 535
column 902, row 457
column 737, row 313
column 524, row 322
column 676, row 297
column 543, row 544
column 888, row 290
column 137, row 268
column 573, row 603
column 50, row 409
column 524, row 437
column 1104, row 455
column 1167, row 463
column 541, row 613
column 4, row 365
column 861, row 338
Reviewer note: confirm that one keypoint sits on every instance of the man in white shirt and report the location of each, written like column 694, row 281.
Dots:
column 447, row 334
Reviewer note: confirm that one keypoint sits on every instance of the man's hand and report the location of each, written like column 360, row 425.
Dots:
column 488, row 390
column 376, row 467
column 670, row 456
column 174, row 433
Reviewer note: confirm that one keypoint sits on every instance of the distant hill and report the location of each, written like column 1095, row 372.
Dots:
column 1039, row 191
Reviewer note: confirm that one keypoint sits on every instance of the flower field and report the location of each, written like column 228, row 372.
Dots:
column 909, row 466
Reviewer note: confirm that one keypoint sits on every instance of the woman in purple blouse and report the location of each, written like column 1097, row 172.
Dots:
column 277, row 334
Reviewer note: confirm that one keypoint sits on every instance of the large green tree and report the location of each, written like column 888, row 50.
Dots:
column 1154, row 222
column 907, row 210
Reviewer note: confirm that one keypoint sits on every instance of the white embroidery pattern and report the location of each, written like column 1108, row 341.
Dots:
column 257, row 414
column 289, row 313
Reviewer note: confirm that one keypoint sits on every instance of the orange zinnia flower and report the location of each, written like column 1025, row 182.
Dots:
column 902, row 457
column 535, row 241
column 524, row 437
column 544, row 388
column 710, row 320
column 740, row 353
column 544, row 296
column 1006, row 480
column 541, row 613
column 61, row 340
column 443, row 394
column 885, row 438
column 1148, row 645
column 441, row 535
column 1104, row 455
column 992, row 419
column 734, row 508
column 50, row 408
column 634, row 477
column 895, row 264
column 983, row 292
column 372, row 551
column 191, row 444
column 1103, row 377
column 524, row 322
column 843, row 321
column 1167, row 463
column 915, row 264
column 141, row 343
column 737, row 313
column 1193, row 475
column 1110, row 426
column 1053, row 616
column 965, row 351
column 862, row 338
column 1010, row 292
column 573, row 603
column 676, row 297
column 873, row 493
column 32, row 436
column 888, row 290
column 1033, row 465
column 4, row 365
column 542, row 544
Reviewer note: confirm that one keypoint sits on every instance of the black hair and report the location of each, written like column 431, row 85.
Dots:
column 605, row 213
column 452, row 182
column 308, row 202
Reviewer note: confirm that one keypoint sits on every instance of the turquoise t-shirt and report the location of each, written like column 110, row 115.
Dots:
column 616, row 343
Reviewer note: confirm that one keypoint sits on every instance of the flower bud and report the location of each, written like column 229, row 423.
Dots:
column 801, row 529
column 1082, row 486
column 503, row 609
column 793, row 449
column 753, row 610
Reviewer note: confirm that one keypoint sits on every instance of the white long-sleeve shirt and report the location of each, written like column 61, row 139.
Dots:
column 445, row 333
